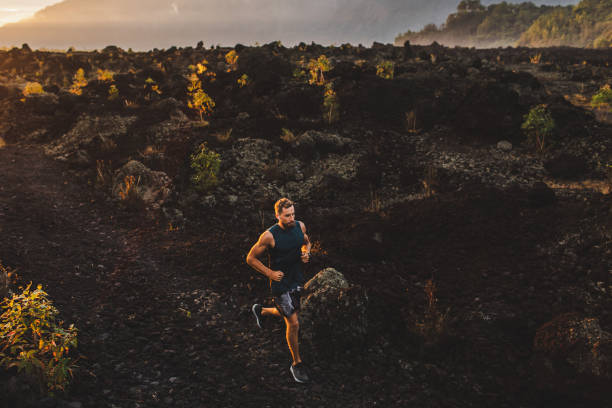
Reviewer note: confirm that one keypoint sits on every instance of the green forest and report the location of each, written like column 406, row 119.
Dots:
column 587, row 24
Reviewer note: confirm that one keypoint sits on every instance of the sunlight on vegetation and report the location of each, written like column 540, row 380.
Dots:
column 231, row 59
column 385, row 69
column 198, row 99
column 127, row 191
column 34, row 342
column 32, row 88
column 317, row 68
column 536, row 59
column 78, row 82
column 113, row 93
column 105, row 75
column 603, row 98
column 331, row 104
column 205, row 164
column 151, row 88
column 243, row 80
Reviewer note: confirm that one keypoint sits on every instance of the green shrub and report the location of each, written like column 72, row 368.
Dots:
column 603, row 97
column 205, row 164
column 538, row 126
column 385, row 69
column 330, row 104
column 33, row 341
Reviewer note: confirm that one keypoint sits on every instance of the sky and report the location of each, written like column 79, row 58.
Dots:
column 147, row 24
column 15, row 10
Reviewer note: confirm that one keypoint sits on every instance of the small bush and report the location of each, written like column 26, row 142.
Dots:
column 434, row 324
column 105, row 75
column 34, row 342
column 32, row 88
column 243, row 80
column 287, row 136
column 603, row 97
column 385, row 69
column 538, row 126
column 199, row 100
column 317, row 68
column 231, row 59
column 78, row 82
column 330, row 104
column 536, row 59
column 128, row 192
column 113, row 93
column 205, row 164
column 151, row 87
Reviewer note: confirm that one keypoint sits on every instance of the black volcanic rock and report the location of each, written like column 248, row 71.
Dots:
column 567, row 166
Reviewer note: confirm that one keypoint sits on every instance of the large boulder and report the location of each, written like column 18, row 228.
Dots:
column 90, row 135
column 313, row 141
column 150, row 187
column 333, row 316
column 573, row 355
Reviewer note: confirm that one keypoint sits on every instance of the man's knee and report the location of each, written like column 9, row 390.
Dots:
column 293, row 322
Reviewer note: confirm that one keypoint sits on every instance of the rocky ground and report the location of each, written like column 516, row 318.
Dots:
column 409, row 184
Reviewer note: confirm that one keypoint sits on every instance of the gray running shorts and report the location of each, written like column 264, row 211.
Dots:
column 289, row 302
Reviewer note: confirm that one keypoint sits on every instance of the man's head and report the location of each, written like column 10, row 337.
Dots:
column 285, row 212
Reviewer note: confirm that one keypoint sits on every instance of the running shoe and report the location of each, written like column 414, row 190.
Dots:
column 258, row 317
column 299, row 373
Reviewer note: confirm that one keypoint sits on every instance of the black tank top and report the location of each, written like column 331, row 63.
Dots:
column 286, row 257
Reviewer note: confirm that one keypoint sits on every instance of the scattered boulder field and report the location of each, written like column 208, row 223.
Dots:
column 455, row 261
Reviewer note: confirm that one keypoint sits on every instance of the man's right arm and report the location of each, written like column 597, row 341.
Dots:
column 260, row 247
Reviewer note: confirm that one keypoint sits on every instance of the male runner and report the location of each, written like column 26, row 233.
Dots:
column 283, row 241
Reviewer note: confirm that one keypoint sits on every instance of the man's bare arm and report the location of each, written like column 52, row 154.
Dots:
column 260, row 247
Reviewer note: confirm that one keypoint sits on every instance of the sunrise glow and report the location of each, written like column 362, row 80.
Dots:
column 15, row 10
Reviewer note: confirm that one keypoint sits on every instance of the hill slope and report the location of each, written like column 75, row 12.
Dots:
column 587, row 24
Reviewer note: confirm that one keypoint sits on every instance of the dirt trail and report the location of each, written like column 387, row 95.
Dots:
column 148, row 334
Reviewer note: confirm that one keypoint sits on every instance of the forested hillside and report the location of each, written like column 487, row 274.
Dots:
column 587, row 24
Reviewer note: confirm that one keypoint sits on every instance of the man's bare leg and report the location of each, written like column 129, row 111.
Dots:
column 293, row 327
column 270, row 311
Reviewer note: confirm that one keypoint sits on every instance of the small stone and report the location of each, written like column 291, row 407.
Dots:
column 504, row 145
column 173, row 379
column 75, row 404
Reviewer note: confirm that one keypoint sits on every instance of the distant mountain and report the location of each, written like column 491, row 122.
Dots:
column 146, row 24
column 587, row 24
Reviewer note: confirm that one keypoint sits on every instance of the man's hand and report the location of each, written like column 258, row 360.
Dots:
column 276, row 275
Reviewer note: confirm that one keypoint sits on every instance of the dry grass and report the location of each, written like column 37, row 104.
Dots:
column 434, row 324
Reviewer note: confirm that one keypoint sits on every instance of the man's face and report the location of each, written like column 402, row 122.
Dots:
column 287, row 217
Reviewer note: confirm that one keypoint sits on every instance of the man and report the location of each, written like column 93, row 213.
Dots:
column 289, row 247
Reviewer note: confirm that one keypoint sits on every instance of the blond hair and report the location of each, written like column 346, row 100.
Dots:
column 281, row 204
